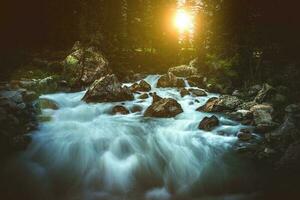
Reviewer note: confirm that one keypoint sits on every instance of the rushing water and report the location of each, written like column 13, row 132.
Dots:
column 87, row 153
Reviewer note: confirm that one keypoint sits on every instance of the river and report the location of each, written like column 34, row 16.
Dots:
column 87, row 153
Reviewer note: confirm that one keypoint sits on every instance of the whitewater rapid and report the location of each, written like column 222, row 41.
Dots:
column 87, row 153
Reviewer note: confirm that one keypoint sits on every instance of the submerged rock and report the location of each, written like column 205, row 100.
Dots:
column 119, row 109
column 183, row 70
column 107, row 89
column 170, row 80
column 47, row 104
column 244, row 135
column 164, row 108
column 209, row 123
column 143, row 96
column 142, row 86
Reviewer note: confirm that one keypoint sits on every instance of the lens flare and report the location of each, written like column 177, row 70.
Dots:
column 183, row 21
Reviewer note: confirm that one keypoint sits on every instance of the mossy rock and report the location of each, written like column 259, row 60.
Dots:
column 44, row 118
column 47, row 104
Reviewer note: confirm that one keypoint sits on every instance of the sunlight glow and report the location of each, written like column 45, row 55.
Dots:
column 183, row 21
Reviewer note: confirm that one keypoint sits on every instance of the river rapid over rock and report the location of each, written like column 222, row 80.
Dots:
column 86, row 152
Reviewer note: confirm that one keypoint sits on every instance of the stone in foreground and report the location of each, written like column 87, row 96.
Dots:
column 164, row 108
column 209, row 123
column 107, row 89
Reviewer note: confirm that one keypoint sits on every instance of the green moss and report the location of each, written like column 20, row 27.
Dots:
column 71, row 60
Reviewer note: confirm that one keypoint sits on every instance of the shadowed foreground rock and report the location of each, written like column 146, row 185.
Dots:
column 163, row 108
column 209, row 123
column 107, row 89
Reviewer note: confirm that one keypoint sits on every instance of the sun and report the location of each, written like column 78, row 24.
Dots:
column 183, row 20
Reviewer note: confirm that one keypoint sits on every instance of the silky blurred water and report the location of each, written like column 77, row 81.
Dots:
column 85, row 152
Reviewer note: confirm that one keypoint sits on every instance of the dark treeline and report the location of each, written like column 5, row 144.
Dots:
column 246, row 40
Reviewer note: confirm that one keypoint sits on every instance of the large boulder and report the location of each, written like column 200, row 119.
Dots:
column 170, row 80
column 142, row 86
column 107, row 89
column 85, row 65
column 183, row 70
column 228, row 102
column 164, row 108
column 262, row 115
column 223, row 103
column 209, row 123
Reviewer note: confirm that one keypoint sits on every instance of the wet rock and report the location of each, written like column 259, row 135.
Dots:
column 262, row 115
column 136, row 108
column 44, row 118
column 85, row 65
column 223, row 103
column 209, row 123
column 209, row 106
column 164, row 108
column 142, row 86
column 241, row 115
column 170, row 80
column 119, row 109
column 30, row 96
column 228, row 102
column 197, row 92
column 196, row 81
column 47, row 104
column 144, row 96
column 264, row 94
column 107, row 89
column 244, row 135
column 184, row 92
column 40, row 86
column 183, row 71
column 155, row 97
column 17, row 118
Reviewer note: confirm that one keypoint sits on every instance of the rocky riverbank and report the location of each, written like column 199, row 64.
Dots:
column 273, row 120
